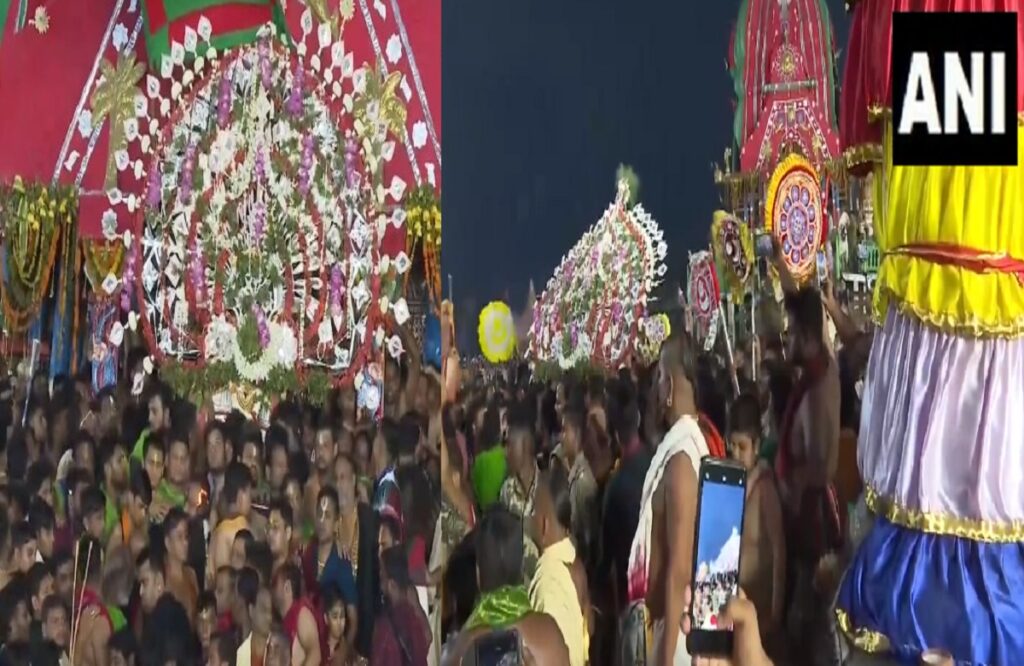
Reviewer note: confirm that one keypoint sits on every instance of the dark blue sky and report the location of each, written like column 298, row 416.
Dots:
column 543, row 99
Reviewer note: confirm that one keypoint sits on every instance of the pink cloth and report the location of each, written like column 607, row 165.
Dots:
column 927, row 447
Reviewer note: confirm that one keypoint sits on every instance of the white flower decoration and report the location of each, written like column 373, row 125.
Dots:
column 85, row 123
column 119, row 37
column 109, row 224
column 401, row 311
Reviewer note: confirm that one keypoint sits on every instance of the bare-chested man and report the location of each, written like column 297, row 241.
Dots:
column 299, row 617
column 661, row 559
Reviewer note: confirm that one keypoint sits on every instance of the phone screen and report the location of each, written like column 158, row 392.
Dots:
column 499, row 649
column 716, row 561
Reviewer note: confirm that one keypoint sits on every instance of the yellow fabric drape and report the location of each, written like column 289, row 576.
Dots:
column 553, row 592
column 981, row 208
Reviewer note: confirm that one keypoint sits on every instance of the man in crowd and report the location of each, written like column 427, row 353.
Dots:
column 301, row 623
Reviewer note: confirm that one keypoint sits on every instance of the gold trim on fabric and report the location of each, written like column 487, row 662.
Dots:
column 934, row 523
column 969, row 327
column 864, row 153
column 863, row 639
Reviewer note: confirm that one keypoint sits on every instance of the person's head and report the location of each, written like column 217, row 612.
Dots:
column 158, row 405
column 334, row 614
column 326, row 448
column 108, row 417
column 326, row 514
column 84, row 452
column 123, row 648
column 38, row 426
column 806, row 332
column 394, row 574
column 237, row 491
column 261, row 613
column 89, row 559
column 223, row 646
column 247, row 586
column 745, row 430
column 43, row 521
column 573, row 419
column 40, row 584
column 63, row 576
column 287, row 587
column 15, row 619
column 56, row 621
column 224, row 589
column 259, row 557
column 278, row 464
column 140, row 496
column 252, row 452
column 292, row 493
column 155, row 461
column 23, row 548
column 520, row 449
column 218, row 448
column 239, row 547
column 389, row 533
column 552, row 512
column 385, row 447
column 77, row 482
column 499, row 550
column 113, row 460
column 279, row 529
column 179, row 460
column 206, row 619
column 18, row 502
column 151, row 580
column 677, row 378
column 175, row 531
column 39, row 481
column 345, row 479
column 361, row 451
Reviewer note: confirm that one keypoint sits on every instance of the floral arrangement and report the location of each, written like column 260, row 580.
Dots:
column 703, row 297
column 34, row 219
column 595, row 302
column 654, row 331
column 423, row 231
column 255, row 256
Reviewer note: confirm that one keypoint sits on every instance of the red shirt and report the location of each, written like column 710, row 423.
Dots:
column 291, row 624
column 386, row 648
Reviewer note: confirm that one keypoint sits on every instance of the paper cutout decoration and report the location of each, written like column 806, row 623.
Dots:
column 703, row 296
column 734, row 250
column 222, row 24
column 593, row 304
column 497, row 332
column 794, row 215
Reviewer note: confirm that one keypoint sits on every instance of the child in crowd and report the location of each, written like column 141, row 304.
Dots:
column 763, row 559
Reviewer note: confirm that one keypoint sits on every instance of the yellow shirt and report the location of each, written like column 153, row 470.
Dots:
column 553, row 592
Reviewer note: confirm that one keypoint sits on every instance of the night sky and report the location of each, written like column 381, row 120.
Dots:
column 543, row 99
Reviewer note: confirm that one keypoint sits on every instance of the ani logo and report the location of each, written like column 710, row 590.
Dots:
column 954, row 89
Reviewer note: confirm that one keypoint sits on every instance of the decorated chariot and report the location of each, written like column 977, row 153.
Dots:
column 247, row 186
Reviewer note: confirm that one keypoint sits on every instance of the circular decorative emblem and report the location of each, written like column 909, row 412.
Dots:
column 702, row 289
column 794, row 214
column 733, row 248
column 497, row 332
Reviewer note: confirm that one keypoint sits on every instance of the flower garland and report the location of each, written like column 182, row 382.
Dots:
column 423, row 229
column 103, row 261
column 34, row 218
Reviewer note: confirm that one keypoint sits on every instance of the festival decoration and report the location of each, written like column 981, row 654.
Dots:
column 733, row 247
column 171, row 26
column 593, row 305
column 703, row 297
column 257, row 261
column 794, row 215
column 423, row 233
column 496, row 332
column 653, row 334
column 34, row 220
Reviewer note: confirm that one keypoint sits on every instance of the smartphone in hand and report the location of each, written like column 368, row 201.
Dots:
column 501, row 648
column 721, row 498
